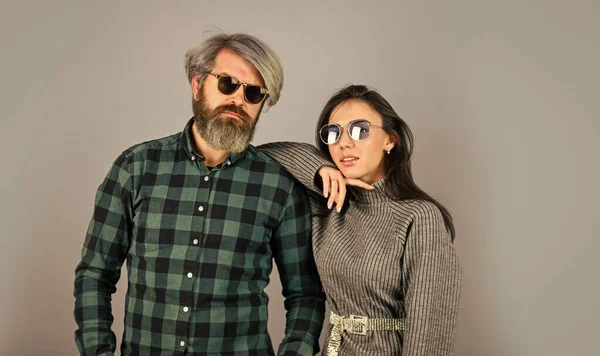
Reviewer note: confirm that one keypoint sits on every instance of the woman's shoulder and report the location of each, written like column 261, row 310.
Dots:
column 417, row 216
column 416, row 209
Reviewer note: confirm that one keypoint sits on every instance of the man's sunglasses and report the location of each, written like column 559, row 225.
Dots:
column 358, row 130
column 229, row 85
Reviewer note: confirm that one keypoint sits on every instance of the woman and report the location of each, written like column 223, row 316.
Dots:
column 385, row 256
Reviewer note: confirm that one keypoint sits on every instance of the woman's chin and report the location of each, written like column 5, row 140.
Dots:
column 349, row 172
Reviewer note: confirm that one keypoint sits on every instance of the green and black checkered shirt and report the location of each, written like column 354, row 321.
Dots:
column 199, row 244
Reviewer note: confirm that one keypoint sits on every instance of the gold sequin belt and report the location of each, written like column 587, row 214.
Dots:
column 356, row 324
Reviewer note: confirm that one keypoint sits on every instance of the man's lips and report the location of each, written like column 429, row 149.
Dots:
column 233, row 115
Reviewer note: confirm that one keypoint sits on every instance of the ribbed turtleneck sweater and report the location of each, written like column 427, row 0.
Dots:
column 381, row 258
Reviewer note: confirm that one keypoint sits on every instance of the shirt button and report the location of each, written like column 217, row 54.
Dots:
column 228, row 163
column 200, row 208
column 190, row 275
column 193, row 159
column 182, row 343
column 206, row 179
column 185, row 309
column 195, row 242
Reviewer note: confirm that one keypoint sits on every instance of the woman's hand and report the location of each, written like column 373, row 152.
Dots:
column 334, row 186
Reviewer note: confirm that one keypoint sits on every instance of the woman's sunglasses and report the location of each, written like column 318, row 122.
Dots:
column 358, row 130
column 229, row 85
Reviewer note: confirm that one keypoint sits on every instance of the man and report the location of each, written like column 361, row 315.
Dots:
column 199, row 216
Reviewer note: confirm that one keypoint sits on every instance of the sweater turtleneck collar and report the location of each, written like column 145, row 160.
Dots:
column 377, row 195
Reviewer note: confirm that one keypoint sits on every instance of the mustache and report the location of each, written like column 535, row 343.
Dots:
column 234, row 109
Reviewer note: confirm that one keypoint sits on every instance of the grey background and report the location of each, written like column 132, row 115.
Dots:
column 502, row 97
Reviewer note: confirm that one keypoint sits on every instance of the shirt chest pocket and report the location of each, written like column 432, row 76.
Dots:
column 156, row 225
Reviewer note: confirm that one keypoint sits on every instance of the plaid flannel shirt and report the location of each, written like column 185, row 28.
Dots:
column 199, row 244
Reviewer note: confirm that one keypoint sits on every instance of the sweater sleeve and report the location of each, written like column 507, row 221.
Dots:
column 432, row 282
column 302, row 160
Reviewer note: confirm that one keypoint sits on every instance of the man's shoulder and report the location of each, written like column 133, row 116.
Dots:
column 271, row 166
column 141, row 150
column 255, row 154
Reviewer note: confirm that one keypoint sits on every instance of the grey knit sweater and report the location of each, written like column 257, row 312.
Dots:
column 381, row 258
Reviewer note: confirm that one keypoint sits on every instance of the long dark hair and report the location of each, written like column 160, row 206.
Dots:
column 399, row 183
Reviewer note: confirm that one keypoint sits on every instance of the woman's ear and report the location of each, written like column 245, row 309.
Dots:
column 390, row 142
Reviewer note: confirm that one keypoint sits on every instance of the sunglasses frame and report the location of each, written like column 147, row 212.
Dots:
column 245, row 85
column 341, row 128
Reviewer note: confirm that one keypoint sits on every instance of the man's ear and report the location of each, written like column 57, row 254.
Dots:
column 195, row 83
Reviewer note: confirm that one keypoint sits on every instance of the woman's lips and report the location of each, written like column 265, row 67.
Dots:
column 348, row 160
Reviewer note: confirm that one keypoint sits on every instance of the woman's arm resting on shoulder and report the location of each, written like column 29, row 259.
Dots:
column 302, row 160
column 312, row 170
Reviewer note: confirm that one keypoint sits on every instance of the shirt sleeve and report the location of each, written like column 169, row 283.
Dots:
column 302, row 160
column 302, row 290
column 432, row 282
column 104, row 250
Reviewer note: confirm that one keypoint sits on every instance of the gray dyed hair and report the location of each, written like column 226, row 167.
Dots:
column 200, row 60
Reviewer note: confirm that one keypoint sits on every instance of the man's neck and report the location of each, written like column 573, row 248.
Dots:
column 212, row 156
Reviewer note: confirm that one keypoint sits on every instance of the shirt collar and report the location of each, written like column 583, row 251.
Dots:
column 187, row 142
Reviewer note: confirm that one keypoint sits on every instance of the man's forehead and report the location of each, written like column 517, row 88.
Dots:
column 230, row 63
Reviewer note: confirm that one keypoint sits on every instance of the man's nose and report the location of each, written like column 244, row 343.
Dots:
column 237, row 97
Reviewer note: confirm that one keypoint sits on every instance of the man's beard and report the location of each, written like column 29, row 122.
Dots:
column 222, row 132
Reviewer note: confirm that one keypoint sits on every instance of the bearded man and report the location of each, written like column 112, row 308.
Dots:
column 199, row 217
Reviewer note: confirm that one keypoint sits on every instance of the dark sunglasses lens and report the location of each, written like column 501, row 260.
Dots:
column 254, row 94
column 330, row 134
column 359, row 130
column 227, row 85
